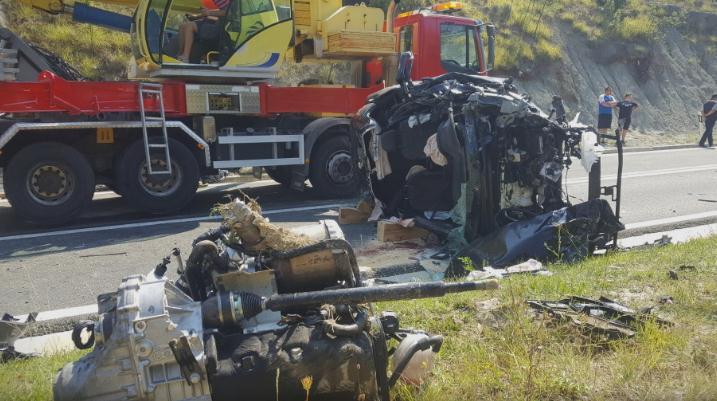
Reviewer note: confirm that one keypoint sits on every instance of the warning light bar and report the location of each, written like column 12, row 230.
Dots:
column 447, row 8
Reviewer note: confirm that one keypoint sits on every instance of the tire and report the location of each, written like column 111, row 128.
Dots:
column 157, row 195
column 280, row 174
column 332, row 171
column 49, row 183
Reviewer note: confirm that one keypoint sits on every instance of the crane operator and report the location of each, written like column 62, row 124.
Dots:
column 204, row 27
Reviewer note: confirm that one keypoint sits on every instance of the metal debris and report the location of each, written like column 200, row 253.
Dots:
column 603, row 317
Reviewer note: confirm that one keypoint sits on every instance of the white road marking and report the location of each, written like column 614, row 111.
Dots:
column 644, row 152
column 650, row 173
column 62, row 313
column 159, row 222
column 670, row 220
column 678, row 236
column 231, row 185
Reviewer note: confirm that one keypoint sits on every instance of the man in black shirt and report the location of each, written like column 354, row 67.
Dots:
column 709, row 113
column 624, row 118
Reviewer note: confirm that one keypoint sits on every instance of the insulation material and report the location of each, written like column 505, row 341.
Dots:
column 255, row 232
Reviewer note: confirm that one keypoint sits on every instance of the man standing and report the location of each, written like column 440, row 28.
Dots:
column 606, row 102
column 709, row 113
column 624, row 117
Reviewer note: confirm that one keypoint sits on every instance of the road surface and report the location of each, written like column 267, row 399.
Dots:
column 44, row 269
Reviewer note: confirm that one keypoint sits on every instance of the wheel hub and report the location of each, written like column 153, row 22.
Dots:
column 340, row 168
column 160, row 184
column 50, row 184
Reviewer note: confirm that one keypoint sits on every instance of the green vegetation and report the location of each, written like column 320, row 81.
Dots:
column 97, row 53
column 505, row 353
column 526, row 30
column 31, row 379
column 508, row 354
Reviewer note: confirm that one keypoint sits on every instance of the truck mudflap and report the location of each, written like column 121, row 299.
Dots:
column 17, row 128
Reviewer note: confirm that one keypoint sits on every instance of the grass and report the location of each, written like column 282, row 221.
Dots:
column 31, row 379
column 506, row 354
column 97, row 53
column 525, row 30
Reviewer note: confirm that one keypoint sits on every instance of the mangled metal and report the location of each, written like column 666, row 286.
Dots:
column 11, row 329
column 249, row 318
column 497, row 163
column 603, row 317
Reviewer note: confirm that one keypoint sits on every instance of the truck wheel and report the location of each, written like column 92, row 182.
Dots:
column 49, row 183
column 158, row 193
column 280, row 174
column 332, row 171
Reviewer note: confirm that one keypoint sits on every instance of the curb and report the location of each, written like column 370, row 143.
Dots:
column 650, row 148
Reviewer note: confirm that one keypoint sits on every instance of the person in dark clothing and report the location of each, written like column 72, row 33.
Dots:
column 624, row 117
column 211, row 11
column 709, row 114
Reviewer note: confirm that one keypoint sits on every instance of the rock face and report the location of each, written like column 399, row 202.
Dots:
column 669, row 78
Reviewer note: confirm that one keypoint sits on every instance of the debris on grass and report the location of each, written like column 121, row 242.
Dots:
column 603, row 317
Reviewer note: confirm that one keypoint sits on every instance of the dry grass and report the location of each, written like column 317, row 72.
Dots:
column 507, row 355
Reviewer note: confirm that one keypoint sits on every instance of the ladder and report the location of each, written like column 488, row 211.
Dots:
column 147, row 91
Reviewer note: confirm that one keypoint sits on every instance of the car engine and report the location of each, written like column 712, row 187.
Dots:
column 256, row 313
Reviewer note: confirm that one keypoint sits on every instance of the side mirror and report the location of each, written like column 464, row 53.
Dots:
column 403, row 75
column 490, row 30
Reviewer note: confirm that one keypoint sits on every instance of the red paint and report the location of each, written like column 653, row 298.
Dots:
column 54, row 94
column 303, row 99
column 427, row 41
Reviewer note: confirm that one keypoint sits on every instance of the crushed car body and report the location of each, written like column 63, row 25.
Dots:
column 476, row 163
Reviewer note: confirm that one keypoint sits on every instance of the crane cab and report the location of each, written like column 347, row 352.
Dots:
column 248, row 41
column 253, row 37
column 442, row 42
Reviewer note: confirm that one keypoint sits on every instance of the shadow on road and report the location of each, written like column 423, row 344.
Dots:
column 20, row 248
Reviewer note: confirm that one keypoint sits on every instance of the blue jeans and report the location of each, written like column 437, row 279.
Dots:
column 707, row 136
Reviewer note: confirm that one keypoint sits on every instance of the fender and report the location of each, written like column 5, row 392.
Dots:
column 312, row 133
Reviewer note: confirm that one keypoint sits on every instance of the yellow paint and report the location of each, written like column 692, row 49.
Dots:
column 105, row 135
column 447, row 6
column 259, row 49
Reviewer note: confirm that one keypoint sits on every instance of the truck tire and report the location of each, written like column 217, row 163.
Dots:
column 280, row 174
column 332, row 172
column 49, row 183
column 159, row 194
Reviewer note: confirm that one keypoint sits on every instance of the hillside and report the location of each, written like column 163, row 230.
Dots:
column 662, row 53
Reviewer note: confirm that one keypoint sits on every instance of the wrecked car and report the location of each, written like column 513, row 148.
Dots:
column 258, row 313
column 476, row 163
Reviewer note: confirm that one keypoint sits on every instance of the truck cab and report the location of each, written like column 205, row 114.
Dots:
column 442, row 42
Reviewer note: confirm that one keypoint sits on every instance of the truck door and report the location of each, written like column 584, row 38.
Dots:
column 460, row 48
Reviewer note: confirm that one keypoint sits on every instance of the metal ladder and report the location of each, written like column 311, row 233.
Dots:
column 146, row 90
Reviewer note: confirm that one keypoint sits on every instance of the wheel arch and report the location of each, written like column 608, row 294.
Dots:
column 18, row 135
column 317, row 131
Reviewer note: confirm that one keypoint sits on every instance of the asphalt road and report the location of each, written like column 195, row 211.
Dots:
column 44, row 269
